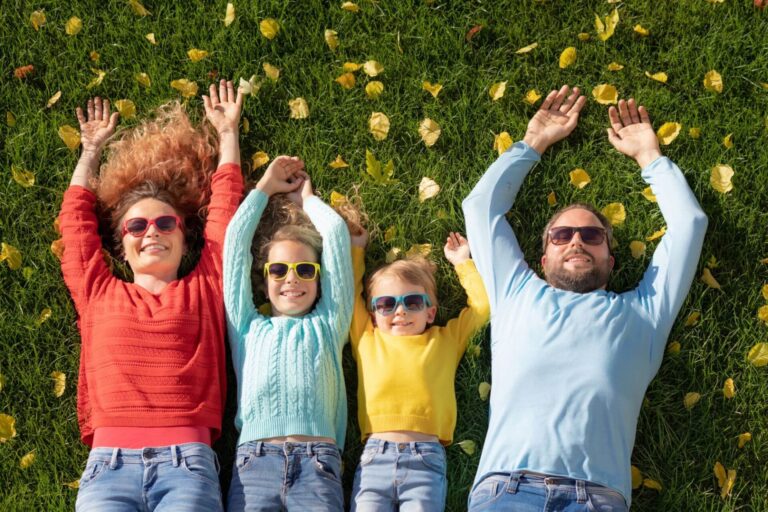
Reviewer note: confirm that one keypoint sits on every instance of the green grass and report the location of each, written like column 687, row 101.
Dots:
column 416, row 41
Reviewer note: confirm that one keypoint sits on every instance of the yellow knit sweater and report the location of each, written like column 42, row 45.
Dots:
column 407, row 382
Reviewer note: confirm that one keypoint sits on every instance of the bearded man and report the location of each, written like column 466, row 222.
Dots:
column 571, row 360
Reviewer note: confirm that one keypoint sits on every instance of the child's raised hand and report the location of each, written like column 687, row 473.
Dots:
column 359, row 238
column 282, row 176
column 304, row 190
column 222, row 108
column 456, row 249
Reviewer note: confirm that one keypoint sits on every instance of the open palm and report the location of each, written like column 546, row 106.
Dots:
column 555, row 119
column 98, row 126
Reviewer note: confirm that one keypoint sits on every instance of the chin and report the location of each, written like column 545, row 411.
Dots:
column 578, row 282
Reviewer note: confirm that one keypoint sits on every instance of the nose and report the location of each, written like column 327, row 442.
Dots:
column 575, row 241
column 400, row 310
column 291, row 276
column 152, row 231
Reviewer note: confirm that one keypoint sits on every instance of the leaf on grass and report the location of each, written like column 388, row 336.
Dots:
column 45, row 314
column 7, row 427
column 378, row 125
column 59, row 383
column 94, row 56
column 429, row 131
column 250, row 86
column 126, row 108
column 350, row 7
column 24, row 178
column 27, row 460
column 187, row 88
column 269, row 28
column 708, row 279
column 196, row 55
column 727, row 487
column 651, row 484
column 532, row 96
column 719, row 471
column 423, row 250
column 73, row 26
column 764, row 291
column 605, row 94
column 10, row 119
column 390, row 233
column 53, row 99
column 551, row 199
column 673, row 348
column 468, row 446
column 637, row 249
column 433, row 89
column 713, row 81
column 605, row 29
column 11, row 255
column 37, row 19
column 728, row 141
column 729, row 389
column 568, row 57
column 272, row 72
column 392, row 254
column 639, row 29
column 526, row 49
column 2, row 381
column 720, row 178
column 649, row 195
column 351, row 66
column 373, row 68
column 758, row 354
column 151, row 38
column 712, row 262
column 95, row 82
column 615, row 213
column 691, row 399
column 57, row 248
column 579, row 178
column 70, row 136
column 615, row 66
column 656, row 234
column 259, row 158
column 74, row 484
column 138, row 8
column 496, row 91
column 471, row 33
column 659, row 77
column 668, row 132
column 484, row 389
column 331, row 39
column 381, row 174
column 347, row 80
column 637, row 477
column 744, row 439
column 694, row 133
column 338, row 199
column 583, row 36
column 23, row 71
column 692, row 319
column 374, row 89
column 229, row 15
column 339, row 163
column 428, row 189
column 143, row 79
column 502, row 142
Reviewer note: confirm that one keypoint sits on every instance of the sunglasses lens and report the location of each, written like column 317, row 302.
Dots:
column 592, row 236
column 413, row 302
column 306, row 271
column 561, row 235
column 136, row 226
column 278, row 270
column 166, row 223
column 385, row 305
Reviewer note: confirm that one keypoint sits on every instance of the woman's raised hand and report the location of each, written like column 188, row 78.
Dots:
column 223, row 108
column 631, row 132
column 555, row 119
column 98, row 126
column 285, row 174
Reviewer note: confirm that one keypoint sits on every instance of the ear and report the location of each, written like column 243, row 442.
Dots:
column 373, row 318
column 610, row 265
column 543, row 260
column 431, row 313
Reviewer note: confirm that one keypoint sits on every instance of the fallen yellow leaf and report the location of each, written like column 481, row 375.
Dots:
column 390, row 233
column 651, row 484
column 764, row 291
column 45, row 314
column 269, row 28
column 378, row 125
column 229, row 15
column 350, row 6
column 744, row 439
column 149, row 37
column 637, row 477
column 59, row 383
column 27, row 460
column 579, row 178
column 637, row 249
column 728, row 141
column 496, row 91
column 299, row 108
column 70, row 136
column 196, row 55
column 373, row 68
column 502, row 142
column 615, row 214
column 649, row 195
column 720, row 178
column 74, row 484
column 138, row 8
column 272, row 72
column 615, row 66
column 719, row 471
column 692, row 319
column 331, row 39
column 374, row 89
column 37, row 19
column 73, row 26
column 694, row 133
column 583, row 36
column 7, row 427
column 708, row 279
column 10, row 119
column 673, row 348
column 691, row 399
column 346, row 80
column 758, row 354
column 423, row 250
column 605, row 94
column 639, row 29
column 729, row 389
column 429, row 131
column 339, row 163
column 526, row 49
column 428, row 189
column 250, row 86
column 392, row 254
column 433, row 89
column 568, row 57
column 606, row 29
column 380, row 174
column 126, row 108
column 98, row 79
column 24, row 178
column 57, row 248
column 532, row 96
column 713, row 81
column 468, row 446
column 351, row 66
column 143, row 79
column 11, row 255
column 338, row 199
column 551, row 199
column 187, row 88
column 53, row 99
column 484, row 390
column 727, row 487
column 259, row 158
column 656, row 234
column 659, row 77
column 2, row 381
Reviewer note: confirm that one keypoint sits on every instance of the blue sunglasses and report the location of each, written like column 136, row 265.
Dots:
column 387, row 304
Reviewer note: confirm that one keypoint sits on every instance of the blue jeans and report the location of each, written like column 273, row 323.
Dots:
column 288, row 476
column 400, row 476
column 179, row 478
column 523, row 492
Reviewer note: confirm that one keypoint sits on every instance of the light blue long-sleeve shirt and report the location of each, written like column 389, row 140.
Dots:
column 569, row 369
column 289, row 375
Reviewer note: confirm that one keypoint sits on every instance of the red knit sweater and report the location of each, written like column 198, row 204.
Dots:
column 148, row 360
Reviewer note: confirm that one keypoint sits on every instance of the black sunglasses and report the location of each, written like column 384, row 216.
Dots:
column 590, row 235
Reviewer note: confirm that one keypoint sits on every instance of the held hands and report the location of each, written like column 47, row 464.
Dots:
column 555, row 119
column 304, row 190
column 285, row 174
column 456, row 249
column 223, row 108
column 98, row 126
column 631, row 132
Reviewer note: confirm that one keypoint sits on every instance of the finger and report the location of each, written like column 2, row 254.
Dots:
column 613, row 117
column 570, row 101
column 90, row 109
column 223, row 91
column 644, row 117
column 239, row 99
column 97, row 108
column 80, row 116
column 561, row 95
column 461, row 238
column 214, row 95
column 207, row 104
column 632, row 107
column 105, row 111
column 613, row 137
column 626, row 119
column 113, row 120
column 548, row 100
column 577, row 105
column 230, row 91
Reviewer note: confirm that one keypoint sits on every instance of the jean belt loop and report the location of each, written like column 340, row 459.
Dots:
column 581, row 491
column 259, row 448
column 113, row 460
column 382, row 445
column 310, row 449
column 414, row 450
column 175, row 455
column 514, row 483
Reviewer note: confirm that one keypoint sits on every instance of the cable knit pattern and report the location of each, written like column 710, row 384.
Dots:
column 289, row 374
column 148, row 360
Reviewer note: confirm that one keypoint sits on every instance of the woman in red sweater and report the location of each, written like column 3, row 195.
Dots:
column 152, row 380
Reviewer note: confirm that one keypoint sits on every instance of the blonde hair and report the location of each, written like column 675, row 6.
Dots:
column 416, row 270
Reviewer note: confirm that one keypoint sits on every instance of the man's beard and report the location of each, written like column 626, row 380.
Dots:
column 579, row 281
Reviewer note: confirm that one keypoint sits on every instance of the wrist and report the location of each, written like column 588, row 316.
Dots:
column 536, row 143
column 646, row 158
column 227, row 132
column 264, row 187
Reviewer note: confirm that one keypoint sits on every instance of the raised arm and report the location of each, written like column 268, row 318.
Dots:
column 222, row 109
column 494, row 246
column 360, row 317
column 95, row 129
column 668, row 278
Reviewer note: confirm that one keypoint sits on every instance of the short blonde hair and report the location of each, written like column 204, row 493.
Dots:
column 417, row 270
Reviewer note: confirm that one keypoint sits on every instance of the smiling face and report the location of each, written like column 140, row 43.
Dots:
column 291, row 296
column 401, row 322
column 154, row 253
column 576, row 266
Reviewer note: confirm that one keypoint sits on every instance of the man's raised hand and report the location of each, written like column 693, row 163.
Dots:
column 631, row 132
column 555, row 119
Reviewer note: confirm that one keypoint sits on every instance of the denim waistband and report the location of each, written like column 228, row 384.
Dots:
column 289, row 448
column 513, row 481
column 146, row 456
column 412, row 447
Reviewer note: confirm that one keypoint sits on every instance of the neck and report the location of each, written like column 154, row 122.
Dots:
column 154, row 284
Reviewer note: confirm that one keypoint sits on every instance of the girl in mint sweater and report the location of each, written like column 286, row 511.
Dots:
column 292, row 405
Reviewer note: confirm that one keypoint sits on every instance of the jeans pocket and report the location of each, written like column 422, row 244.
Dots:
column 486, row 493
column 367, row 457
column 201, row 467
column 328, row 465
column 433, row 461
column 607, row 502
column 93, row 470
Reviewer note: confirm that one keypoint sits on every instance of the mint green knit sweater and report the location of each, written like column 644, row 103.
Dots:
column 289, row 375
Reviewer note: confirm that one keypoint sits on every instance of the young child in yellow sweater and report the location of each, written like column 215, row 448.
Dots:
column 406, row 371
